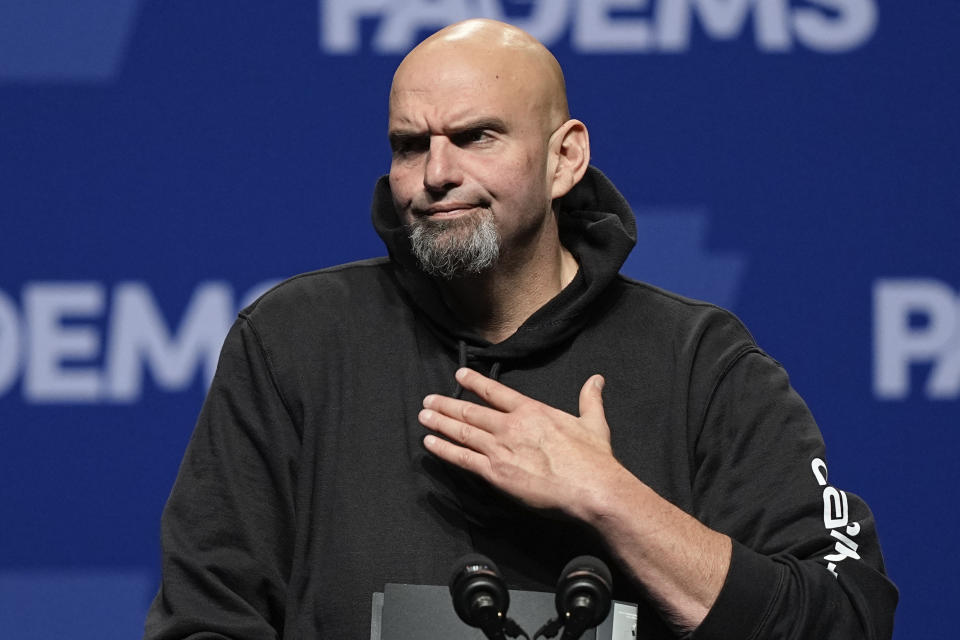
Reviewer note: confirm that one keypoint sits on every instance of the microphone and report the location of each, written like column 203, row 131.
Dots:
column 583, row 598
column 480, row 597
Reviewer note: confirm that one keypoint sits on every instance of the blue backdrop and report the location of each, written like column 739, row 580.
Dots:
column 162, row 162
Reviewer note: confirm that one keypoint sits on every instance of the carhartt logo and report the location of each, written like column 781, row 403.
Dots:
column 836, row 519
column 671, row 253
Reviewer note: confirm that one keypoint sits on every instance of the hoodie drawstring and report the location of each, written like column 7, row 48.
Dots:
column 462, row 362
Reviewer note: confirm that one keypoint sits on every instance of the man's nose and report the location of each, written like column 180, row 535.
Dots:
column 442, row 170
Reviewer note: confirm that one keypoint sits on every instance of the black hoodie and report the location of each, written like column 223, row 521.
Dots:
column 305, row 487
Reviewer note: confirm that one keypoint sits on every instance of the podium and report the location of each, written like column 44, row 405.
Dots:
column 423, row 612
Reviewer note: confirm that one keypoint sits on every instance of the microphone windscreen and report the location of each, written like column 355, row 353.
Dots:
column 479, row 594
column 584, row 593
column 471, row 563
column 589, row 564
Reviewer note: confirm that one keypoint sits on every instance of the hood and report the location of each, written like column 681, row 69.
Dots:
column 596, row 226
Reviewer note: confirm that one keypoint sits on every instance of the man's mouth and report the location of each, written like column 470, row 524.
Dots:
column 448, row 209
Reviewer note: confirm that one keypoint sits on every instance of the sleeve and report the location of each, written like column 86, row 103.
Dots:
column 806, row 559
column 228, row 525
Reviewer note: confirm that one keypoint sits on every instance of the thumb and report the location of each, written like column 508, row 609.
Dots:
column 591, row 399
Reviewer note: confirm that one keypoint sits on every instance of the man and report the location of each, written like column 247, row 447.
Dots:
column 589, row 413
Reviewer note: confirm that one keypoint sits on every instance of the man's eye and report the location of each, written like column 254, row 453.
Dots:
column 471, row 136
column 407, row 146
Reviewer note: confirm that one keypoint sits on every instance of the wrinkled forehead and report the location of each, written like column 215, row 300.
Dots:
column 449, row 81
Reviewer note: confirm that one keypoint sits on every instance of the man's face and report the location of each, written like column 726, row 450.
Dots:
column 469, row 153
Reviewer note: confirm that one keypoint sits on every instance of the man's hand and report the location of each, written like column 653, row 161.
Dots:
column 542, row 456
column 549, row 459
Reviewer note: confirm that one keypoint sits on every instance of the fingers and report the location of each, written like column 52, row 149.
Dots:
column 538, row 454
column 496, row 395
column 461, row 432
column 471, row 425
column 591, row 399
column 459, row 456
column 464, row 411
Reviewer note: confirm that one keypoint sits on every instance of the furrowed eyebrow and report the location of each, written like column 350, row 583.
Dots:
column 493, row 124
column 401, row 139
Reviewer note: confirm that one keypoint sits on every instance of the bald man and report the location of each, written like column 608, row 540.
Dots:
column 568, row 409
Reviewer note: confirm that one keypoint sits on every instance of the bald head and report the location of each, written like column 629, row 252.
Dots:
column 483, row 146
column 495, row 54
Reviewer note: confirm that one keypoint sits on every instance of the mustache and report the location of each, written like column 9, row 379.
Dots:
column 426, row 207
column 431, row 225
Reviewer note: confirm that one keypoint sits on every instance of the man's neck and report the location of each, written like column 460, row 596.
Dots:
column 497, row 303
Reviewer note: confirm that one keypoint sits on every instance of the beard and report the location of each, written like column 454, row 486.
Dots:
column 464, row 246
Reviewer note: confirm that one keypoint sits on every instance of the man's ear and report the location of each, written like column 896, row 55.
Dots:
column 570, row 151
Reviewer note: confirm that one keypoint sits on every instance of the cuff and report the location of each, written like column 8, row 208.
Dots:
column 752, row 584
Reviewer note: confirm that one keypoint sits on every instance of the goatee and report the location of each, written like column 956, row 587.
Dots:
column 463, row 246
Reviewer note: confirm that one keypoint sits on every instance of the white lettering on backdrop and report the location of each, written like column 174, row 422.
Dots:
column 80, row 342
column 608, row 26
column 916, row 322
